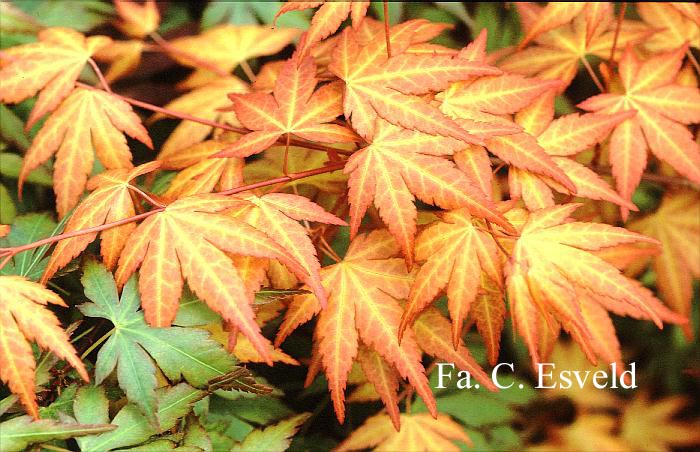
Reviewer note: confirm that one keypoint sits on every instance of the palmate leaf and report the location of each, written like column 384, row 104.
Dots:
column 326, row 20
column 51, row 65
column 188, row 241
column 676, row 24
column 401, row 163
column 27, row 229
column 228, row 45
column 180, row 353
column 88, row 122
column 110, row 201
column 378, row 86
column 19, row 433
column 25, row 318
column 457, row 250
column 132, row 427
column 676, row 224
column 560, row 139
column 552, row 277
column 137, row 20
column 418, row 432
column 293, row 108
column 362, row 306
column 275, row 438
column 558, row 53
column 556, row 14
column 664, row 109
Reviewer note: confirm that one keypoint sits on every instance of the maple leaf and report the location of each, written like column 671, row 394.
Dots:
column 649, row 424
column 205, row 102
column 25, row 318
column 326, row 20
column 419, row 432
column 456, row 251
column 293, row 108
column 559, row 52
column 200, row 173
column 594, row 430
column 274, row 438
column 188, row 241
column 560, row 139
column 137, row 20
column 110, row 201
column 88, row 122
column 123, row 58
column 676, row 224
column 228, row 45
column 556, row 14
column 133, row 346
column 378, row 86
column 663, row 110
column 362, row 306
column 278, row 215
column 401, row 163
column 51, row 65
column 676, row 24
column 552, row 275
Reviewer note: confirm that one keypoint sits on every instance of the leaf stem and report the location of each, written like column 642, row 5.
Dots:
column 618, row 26
column 592, row 73
column 100, row 76
column 97, row 343
column 387, row 32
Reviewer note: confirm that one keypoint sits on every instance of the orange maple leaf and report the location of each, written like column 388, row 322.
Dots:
column 378, row 86
column 326, row 20
column 51, row 65
column 552, row 276
column 676, row 224
column 556, row 14
column 456, row 251
column 400, row 163
column 109, row 201
column 123, row 57
column 560, row 52
column 87, row 119
column 188, row 241
column 419, row 432
column 204, row 102
column 560, row 139
column 137, row 20
column 362, row 306
column 293, row 108
column 663, row 108
column 677, row 24
column 24, row 318
column 200, row 173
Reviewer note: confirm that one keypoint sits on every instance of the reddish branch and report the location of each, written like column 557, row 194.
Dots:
column 7, row 253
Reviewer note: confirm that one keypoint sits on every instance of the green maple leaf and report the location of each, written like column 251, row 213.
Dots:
column 134, row 348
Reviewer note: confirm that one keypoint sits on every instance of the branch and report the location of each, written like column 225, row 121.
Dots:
column 8, row 253
column 217, row 125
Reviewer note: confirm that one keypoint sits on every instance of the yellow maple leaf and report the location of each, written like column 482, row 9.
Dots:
column 419, row 432
column 24, row 318
column 676, row 224
column 51, row 65
column 89, row 122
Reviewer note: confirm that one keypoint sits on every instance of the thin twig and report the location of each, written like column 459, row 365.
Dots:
column 248, row 71
column 592, row 73
column 146, row 196
column 693, row 60
column 620, row 18
column 98, row 72
column 387, row 31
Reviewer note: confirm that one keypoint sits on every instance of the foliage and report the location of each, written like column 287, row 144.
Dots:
column 364, row 182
